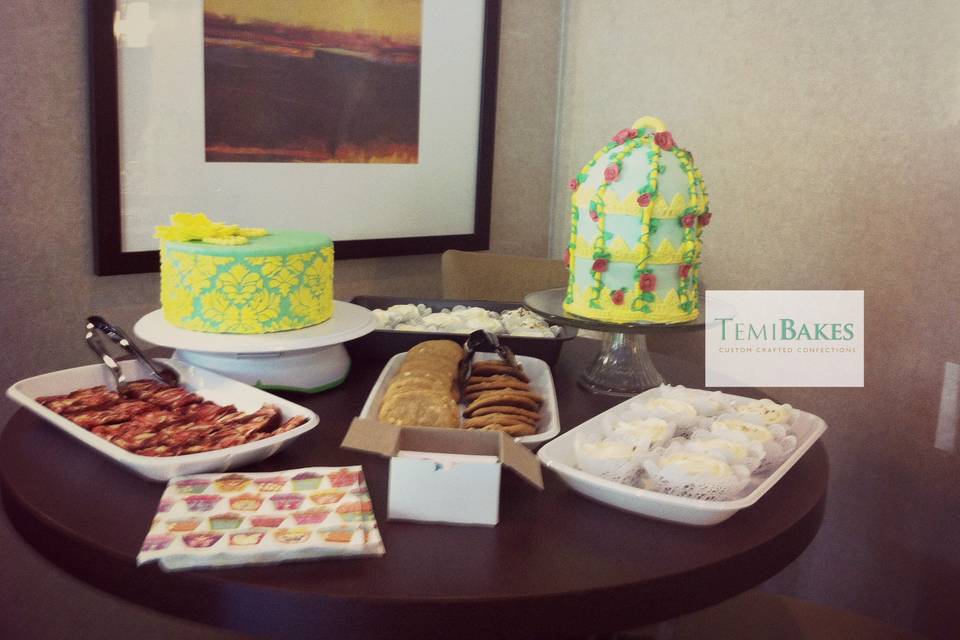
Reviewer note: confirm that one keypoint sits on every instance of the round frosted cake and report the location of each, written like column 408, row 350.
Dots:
column 275, row 281
column 638, row 210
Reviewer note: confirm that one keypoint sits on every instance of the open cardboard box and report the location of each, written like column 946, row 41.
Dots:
column 443, row 475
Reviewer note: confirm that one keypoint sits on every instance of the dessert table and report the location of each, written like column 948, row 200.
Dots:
column 557, row 564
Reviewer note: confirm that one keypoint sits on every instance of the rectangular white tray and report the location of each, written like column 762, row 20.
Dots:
column 208, row 385
column 559, row 456
column 541, row 381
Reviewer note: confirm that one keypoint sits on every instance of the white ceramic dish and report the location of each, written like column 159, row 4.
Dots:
column 559, row 456
column 209, row 385
column 541, row 381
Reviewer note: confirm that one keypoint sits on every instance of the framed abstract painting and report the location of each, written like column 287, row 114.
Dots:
column 369, row 120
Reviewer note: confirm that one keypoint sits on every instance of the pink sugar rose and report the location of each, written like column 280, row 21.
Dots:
column 624, row 134
column 600, row 265
column 664, row 140
column 617, row 296
column 688, row 220
column 566, row 258
column 644, row 200
column 705, row 219
column 648, row 282
column 573, row 184
column 611, row 173
column 685, row 270
column 593, row 215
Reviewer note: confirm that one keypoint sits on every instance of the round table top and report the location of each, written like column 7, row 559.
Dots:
column 556, row 565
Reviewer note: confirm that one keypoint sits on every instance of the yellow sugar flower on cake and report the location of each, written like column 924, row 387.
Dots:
column 187, row 227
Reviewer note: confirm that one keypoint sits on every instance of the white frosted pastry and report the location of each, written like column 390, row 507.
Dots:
column 612, row 459
column 484, row 322
column 706, row 404
column 750, row 454
column 382, row 318
column 777, row 443
column 520, row 322
column 645, row 433
column 445, row 322
column 696, row 475
column 683, row 414
column 400, row 313
column 768, row 410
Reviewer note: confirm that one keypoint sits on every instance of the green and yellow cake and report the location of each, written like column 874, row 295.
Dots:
column 638, row 210
column 222, row 279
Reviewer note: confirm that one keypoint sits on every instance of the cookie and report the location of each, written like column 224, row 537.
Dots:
column 478, row 422
column 420, row 408
column 443, row 348
column 519, row 411
column 418, row 381
column 496, row 367
column 475, row 384
column 515, row 430
column 523, row 399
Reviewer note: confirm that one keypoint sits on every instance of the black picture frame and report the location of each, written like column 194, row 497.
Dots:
column 109, row 256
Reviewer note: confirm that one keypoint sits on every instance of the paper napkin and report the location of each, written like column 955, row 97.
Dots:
column 229, row 519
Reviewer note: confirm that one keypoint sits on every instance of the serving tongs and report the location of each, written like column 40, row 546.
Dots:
column 158, row 370
column 481, row 340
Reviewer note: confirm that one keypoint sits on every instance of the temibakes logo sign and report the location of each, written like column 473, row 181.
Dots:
column 784, row 338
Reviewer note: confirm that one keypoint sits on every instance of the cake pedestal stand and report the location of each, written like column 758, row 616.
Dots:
column 308, row 360
column 623, row 367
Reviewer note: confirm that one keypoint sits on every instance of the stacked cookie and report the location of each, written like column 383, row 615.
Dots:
column 498, row 398
column 424, row 392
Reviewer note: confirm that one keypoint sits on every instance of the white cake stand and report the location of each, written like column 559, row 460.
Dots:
column 623, row 367
column 308, row 360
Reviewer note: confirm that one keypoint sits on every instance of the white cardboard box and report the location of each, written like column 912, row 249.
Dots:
column 443, row 475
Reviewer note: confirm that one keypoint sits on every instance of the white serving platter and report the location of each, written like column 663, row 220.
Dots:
column 559, row 456
column 208, row 385
column 541, row 381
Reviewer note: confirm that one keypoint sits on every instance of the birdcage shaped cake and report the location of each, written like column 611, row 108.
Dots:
column 638, row 210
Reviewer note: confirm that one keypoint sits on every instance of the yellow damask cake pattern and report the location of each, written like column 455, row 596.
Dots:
column 246, row 294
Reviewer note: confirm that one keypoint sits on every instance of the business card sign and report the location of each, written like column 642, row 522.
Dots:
column 784, row 338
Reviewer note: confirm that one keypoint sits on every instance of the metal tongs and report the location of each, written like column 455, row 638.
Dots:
column 158, row 370
column 481, row 340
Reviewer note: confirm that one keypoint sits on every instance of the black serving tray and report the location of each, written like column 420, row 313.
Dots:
column 381, row 344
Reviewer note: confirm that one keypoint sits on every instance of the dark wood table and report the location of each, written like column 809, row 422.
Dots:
column 557, row 565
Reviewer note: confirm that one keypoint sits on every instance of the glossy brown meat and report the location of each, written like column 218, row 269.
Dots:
column 161, row 420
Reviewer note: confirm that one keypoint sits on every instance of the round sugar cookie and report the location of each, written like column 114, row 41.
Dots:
column 420, row 408
column 447, row 348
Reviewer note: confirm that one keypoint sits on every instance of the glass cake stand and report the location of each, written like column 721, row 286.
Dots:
column 623, row 367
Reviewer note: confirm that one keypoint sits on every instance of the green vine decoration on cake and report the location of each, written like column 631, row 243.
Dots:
column 601, row 256
column 575, row 215
column 643, row 279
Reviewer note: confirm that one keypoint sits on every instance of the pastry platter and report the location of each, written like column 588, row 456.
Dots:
column 559, row 455
column 306, row 360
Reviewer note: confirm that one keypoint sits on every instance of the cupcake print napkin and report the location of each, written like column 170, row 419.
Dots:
column 228, row 519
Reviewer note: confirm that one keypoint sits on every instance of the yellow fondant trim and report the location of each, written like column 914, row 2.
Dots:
column 663, row 310
column 650, row 122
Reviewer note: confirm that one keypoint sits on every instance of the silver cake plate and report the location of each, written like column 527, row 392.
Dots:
column 624, row 366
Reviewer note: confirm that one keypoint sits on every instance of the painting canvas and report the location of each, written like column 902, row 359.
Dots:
column 312, row 80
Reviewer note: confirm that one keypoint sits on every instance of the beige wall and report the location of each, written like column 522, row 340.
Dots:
column 46, row 270
column 828, row 135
